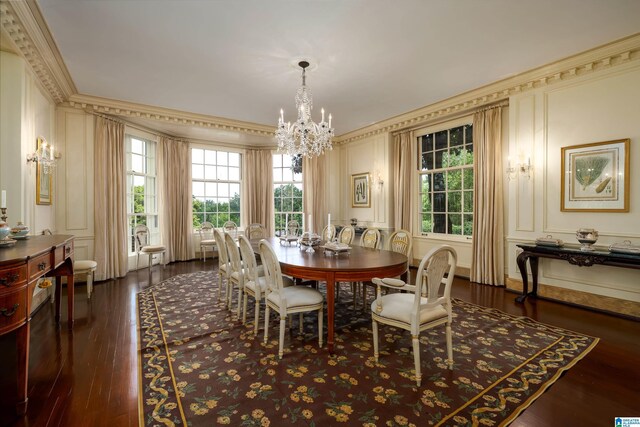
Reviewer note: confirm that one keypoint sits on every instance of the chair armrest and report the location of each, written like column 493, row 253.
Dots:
column 389, row 282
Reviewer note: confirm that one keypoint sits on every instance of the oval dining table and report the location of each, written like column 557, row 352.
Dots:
column 358, row 264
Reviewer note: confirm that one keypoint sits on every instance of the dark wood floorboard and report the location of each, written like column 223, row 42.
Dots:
column 89, row 376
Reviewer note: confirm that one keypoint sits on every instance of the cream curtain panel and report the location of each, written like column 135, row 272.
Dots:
column 174, row 199
column 258, row 166
column 402, row 171
column 487, row 259
column 110, row 210
column 315, row 191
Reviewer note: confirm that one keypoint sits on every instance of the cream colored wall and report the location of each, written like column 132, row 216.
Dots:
column 26, row 112
column 592, row 108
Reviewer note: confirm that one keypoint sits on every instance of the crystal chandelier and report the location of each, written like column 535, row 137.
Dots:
column 304, row 136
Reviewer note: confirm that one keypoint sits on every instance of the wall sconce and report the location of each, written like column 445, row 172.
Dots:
column 44, row 155
column 523, row 169
column 377, row 178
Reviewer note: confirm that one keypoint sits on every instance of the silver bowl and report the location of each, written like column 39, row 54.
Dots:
column 587, row 237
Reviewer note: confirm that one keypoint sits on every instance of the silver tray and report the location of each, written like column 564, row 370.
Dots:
column 334, row 249
column 7, row 242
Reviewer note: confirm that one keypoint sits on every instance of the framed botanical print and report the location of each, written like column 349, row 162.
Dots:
column 43, row 175
column 595, row 177
column 360, row 191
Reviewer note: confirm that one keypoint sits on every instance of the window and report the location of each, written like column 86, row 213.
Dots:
column 445, row 162
column 142, row 202
column 215, row 180
column 287, row 192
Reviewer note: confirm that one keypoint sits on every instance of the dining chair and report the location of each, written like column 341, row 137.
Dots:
column 231, row 228
column 401, row 242
column 426, row 306
column 328, row 233
column 370, row 239
column 207, row 239
column 223, row 264
column 256, row 231
column 255, row 282
column 346, row 235
column 236, row 272
column 286, row 300
column 144, row 246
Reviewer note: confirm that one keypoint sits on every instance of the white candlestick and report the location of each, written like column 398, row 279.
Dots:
column 281, row 115
column 51, row 152
column 329, row 219
column 322, row 115
column 286, row 224
column 4, row 199
column 329, row 120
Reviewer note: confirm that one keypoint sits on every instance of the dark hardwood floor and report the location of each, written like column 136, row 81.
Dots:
column 89, row 376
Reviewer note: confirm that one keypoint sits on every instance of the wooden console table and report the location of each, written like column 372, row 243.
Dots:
column 570, row 253
column 20, row 268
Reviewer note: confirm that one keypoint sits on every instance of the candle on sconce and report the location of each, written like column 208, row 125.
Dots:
column 3, row 205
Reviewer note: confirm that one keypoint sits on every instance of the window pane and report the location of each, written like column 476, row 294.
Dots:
column 223, row 190
column 287, row 174
column 209, row 172
column 439, row 202
column 468, row 201
column 277, row 174
column 454, row 201
column 209, row 157
column 427, row 161
column 454, row 180
column 456, row 137
column 286, row 161
column 468, row 224
column 234, row 174
column 439, row 223
column 234, row 203
column 277, row 204
column 211, row 189
column 467, row 179
column 223, row 158
column 197, row 172
column 287, row 205
column 137, row 146
column 426, row 203
column 297, row 204
column 425, row 185
column 438, row 182
column 427, row 224
column 455, row 224
column 234, row 159
column 297, row 177
column 441, row 139
column 197, row 155
column 138, row 181
column 468, row 134
column 438, row 163
column 137, row 163
column 427, row 143
column 223, row 173
column 277, row 160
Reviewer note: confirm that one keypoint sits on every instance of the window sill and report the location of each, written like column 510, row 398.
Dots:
column 445, row 238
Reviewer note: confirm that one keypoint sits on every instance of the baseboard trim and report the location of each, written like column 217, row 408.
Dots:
column 609, row 305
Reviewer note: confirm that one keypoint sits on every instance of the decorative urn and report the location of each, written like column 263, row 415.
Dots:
column 587, row 237
column 19, row 230
column 4, row 230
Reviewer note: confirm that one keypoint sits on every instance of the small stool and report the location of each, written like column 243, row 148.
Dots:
column 87, row 267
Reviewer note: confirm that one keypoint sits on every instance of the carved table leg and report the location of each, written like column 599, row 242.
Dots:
column 533, row 262
column 522, row 266
column 22, row 345
column 330, row 310
column 58, row 297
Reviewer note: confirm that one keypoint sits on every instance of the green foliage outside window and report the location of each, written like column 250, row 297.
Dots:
column 216, row 212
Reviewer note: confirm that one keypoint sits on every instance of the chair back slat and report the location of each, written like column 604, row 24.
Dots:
column 223, row 256
column 346, row 235
column 256, row 231
column 370, row 238
column 234, row 253
column 206, row 231
column 435, row 274
column 272, row 270
column 328, row 233
column 231, row 228
column 401, row 242
column 248, row 258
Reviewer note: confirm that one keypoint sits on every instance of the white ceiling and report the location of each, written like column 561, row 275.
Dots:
column 371, row 59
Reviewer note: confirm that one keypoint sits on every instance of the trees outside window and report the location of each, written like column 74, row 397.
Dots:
column 142, row 201
column 287, row 192
column 445, row 162
column 216, row 184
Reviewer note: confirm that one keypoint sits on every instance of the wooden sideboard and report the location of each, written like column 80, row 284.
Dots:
column 570, row 253
column 20, row 268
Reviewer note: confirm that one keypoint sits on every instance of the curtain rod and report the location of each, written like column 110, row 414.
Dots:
column 139, row 127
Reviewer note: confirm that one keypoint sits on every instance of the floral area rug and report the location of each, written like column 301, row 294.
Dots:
column 199, row 366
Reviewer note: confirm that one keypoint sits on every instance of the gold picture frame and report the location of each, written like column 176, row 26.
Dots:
column 595, row 177
column 360, row 190
column 43, row 177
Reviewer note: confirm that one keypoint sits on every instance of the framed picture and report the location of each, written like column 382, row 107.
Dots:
column 43, row 177
column 595, row 177
column 360, row 191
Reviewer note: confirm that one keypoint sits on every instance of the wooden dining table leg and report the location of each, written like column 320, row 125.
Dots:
column 331, row 293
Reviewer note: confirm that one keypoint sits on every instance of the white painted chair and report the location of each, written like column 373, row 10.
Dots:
column 255, row 231
column 86, row 268
column 143, row 246
column 286, row 300
column 328, row 233
column 346, row 235
column 223, row 264
column 207, row 239
column 426, row 306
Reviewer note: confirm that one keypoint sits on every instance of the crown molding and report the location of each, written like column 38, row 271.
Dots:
column 26, row 28
column 595, row 60
column 129, row 109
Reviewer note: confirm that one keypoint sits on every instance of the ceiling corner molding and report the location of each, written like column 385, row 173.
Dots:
column 614, row 54
column 26, row 28
column 128, row 109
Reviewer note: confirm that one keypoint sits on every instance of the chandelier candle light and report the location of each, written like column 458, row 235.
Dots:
column 304, row 136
